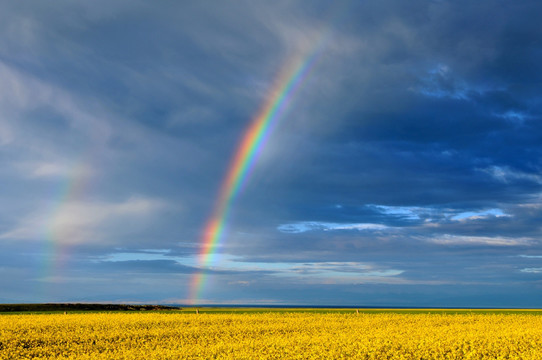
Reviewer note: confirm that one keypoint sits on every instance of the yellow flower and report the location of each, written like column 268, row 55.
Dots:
column 271, row 335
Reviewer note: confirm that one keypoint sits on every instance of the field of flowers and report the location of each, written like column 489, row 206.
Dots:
column 175, row 335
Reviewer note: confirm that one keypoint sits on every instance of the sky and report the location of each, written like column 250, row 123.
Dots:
column 399, row 162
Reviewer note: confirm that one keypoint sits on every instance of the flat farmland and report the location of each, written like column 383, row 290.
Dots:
column 273, row 334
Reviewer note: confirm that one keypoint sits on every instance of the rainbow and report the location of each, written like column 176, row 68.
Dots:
column 248, row 150
column 56, row 239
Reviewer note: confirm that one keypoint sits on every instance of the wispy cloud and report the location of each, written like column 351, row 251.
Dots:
column 440, row 83
column 477, row 215
column 405, row 212
column 436, row 214
column 315, row 272
column 22, row 95
column 479, row 240
column 340, row 273
column 78, row 222
column 305, row 226
column 507, row 175
column 532, row 270
column 59, row 169
column 420, row 123
column 531, row 256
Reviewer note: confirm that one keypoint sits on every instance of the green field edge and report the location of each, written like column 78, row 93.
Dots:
column 21, row 309
column 218, row 310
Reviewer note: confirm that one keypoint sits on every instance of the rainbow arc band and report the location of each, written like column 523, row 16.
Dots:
column 254, row 139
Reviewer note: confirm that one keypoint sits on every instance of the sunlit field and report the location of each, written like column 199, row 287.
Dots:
column 273, row 335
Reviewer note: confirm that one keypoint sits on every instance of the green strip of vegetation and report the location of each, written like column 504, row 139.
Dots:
column 218, row 310
column 92, row 308
column 78, row 307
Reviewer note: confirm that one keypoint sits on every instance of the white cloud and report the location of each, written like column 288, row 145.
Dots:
column 432, row 215
column 348, row 272
column 47, row 169
column 143, row 255
column 532, row 270
column 26, row 102
column 506, row 175
column 55, row 169
column 305, row 226
column 406, row 212
column 79, row 221
column 6, row 135
column 479, row 240
column 340, row 273
column 240, row 282
column 482, row 214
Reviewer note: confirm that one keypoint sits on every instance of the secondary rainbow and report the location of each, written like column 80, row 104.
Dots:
column 253, row 140
column 55, row 237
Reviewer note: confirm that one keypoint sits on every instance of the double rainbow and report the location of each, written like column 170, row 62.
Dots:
column 254, row 139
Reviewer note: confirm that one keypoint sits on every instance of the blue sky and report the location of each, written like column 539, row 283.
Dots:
column 405, row 172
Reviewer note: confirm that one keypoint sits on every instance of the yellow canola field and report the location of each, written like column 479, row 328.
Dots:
column 270, row 336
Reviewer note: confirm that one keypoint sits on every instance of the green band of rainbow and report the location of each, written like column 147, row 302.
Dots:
column 245, row 157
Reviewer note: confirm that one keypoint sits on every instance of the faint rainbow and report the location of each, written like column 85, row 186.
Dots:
column 288, row 82
column 55, row 238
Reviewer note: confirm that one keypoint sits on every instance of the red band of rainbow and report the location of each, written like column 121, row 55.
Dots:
column 245, row 157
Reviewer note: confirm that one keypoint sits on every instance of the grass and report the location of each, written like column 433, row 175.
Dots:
column 92, row 308
column 256, row 310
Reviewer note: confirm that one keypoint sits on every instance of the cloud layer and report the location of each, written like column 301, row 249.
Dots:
column 405, row 172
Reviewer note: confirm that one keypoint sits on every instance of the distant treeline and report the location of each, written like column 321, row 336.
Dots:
column 81, row 307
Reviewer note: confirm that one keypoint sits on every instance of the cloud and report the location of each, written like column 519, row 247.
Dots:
column 59, row 170
column 407, row 166
column 440, row 84
column 147, row 267
column 77, row 222
column 6, row 135
column 404, row 212
column 531, row 256
column 340, row 273
column 532, row 270
column 22, row 95
column 480, row 240
column 477, row 215
column 515, row 117
column 305, row 226
column 311, row 272
column 507, row 175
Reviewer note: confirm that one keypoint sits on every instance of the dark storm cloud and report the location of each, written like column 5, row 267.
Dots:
column 434, row 132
